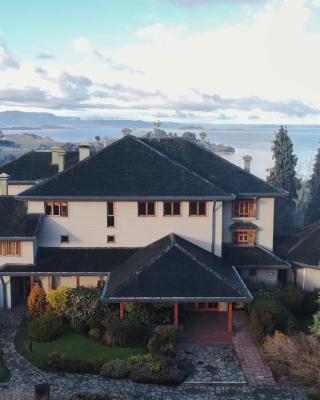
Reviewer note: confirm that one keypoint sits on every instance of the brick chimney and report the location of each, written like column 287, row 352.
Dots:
column 203, row 137
column 126, row 131
column 4, row 184
column 84, row 151
column 58, row 157
column 247, row 162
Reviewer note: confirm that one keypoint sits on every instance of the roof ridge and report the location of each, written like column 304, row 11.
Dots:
column 234, row 165
column 208, row 269
column 272, row 253
column 181, row 165
column 317, row 226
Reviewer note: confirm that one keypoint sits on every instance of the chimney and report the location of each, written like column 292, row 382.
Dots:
column 4, row 184
column 58, row 157
column 247, row 161
column 203, row 137
column 126, row 131
column 84, row 151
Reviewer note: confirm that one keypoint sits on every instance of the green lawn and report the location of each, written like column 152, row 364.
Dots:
column 75, row 346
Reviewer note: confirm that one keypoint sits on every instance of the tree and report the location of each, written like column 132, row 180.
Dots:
column 97, row 138
column 313, row 206
column 283, row 175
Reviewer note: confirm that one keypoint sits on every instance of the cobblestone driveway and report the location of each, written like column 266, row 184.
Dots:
column 24, row 376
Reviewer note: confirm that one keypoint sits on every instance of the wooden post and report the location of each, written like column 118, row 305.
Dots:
column 176, row 315
column 230, row 319
column 78, row 280
column 121, row 311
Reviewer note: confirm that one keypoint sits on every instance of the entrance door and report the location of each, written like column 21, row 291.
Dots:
column 20, row 289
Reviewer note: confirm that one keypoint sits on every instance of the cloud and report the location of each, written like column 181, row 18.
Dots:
column 194, row 3
column 7, row 60
column 83, row 45
column 45, row 56
column 253, row 117
column 224, row 117
column 28, row 95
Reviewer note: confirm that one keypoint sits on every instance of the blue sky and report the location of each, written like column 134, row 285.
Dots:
column 192, row 60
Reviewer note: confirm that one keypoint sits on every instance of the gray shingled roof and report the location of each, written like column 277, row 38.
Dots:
column 14, row 220
column 71, row 261
column 127, row 168
column 36, row 165
column 249, row 257
column 174, row 268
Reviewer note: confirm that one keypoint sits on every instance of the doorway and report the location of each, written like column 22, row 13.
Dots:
column 20, row 289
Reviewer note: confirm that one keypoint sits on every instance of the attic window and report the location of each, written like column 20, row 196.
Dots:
column 197, row 208
column 56, row 208
column 146, row 208
column 111, row 239
column 244, row 208
column 171, row 208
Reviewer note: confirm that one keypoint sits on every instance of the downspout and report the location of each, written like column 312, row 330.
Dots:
column 4, row 287
column 213, row 226
column 105, row 289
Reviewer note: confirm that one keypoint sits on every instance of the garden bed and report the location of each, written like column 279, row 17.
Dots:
column 75, row 346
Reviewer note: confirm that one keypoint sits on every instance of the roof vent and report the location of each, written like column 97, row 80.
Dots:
column 84, row 151
column 4, row 184
column 247, row 162
column 58, row 157
column 126, row 131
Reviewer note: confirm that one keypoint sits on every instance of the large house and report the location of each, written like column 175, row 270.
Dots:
column 147, row 220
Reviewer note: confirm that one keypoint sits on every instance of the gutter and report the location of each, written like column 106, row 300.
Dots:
column 126, row 198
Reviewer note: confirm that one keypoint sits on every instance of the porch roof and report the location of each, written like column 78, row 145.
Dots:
column 174, row 269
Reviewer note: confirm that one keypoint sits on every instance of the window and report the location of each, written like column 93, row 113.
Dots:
column 111, row 239
column 10, row 248
column 110, row 214
column 247, row 237
column 197, row 208
column 146, row 208
column 64, row 238
column 56, row 208
column 244, row 208
column 171, row 208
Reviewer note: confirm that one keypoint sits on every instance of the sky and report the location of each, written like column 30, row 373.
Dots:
column 191, row 61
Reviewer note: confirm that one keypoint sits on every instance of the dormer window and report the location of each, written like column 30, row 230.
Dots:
column 246, row 237
column 244, row 208
column 56, row 208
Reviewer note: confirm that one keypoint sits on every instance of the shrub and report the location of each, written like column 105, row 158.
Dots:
column 37, row 302
column 273, row 315
column 294, row 358
column 291, row 297
column 80, row 307
column 163, row 341
column 95, row 333
column 310, row 303
column 45, row 328
column 257, row 327
column 127, row 332
column 102, row 314
column 136, row 358
column 162, row 371
column 116, row 369
column 58, row 300
column 58, row 362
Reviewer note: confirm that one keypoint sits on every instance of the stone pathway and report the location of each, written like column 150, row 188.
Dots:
column 256, row 370
column 212, row 363
column 24, row 376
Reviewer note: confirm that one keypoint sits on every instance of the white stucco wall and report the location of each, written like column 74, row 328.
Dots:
column 267, row 276
column 86, row 225
column 264, row 220
column 27, row 255
column 14, row 189
column 308, row 278
column 70, row 281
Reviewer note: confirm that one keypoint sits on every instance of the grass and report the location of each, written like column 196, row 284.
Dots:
column 75, row 346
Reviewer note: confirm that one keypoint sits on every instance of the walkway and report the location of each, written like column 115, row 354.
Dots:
column 24, row 376
column 256, row 370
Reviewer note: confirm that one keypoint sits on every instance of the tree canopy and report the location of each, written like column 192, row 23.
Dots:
column 313, row 206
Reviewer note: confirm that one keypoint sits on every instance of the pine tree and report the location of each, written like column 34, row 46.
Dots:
column 313, row 207
column 283, row 174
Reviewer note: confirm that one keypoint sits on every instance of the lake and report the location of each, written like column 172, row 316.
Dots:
column 255, row 140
